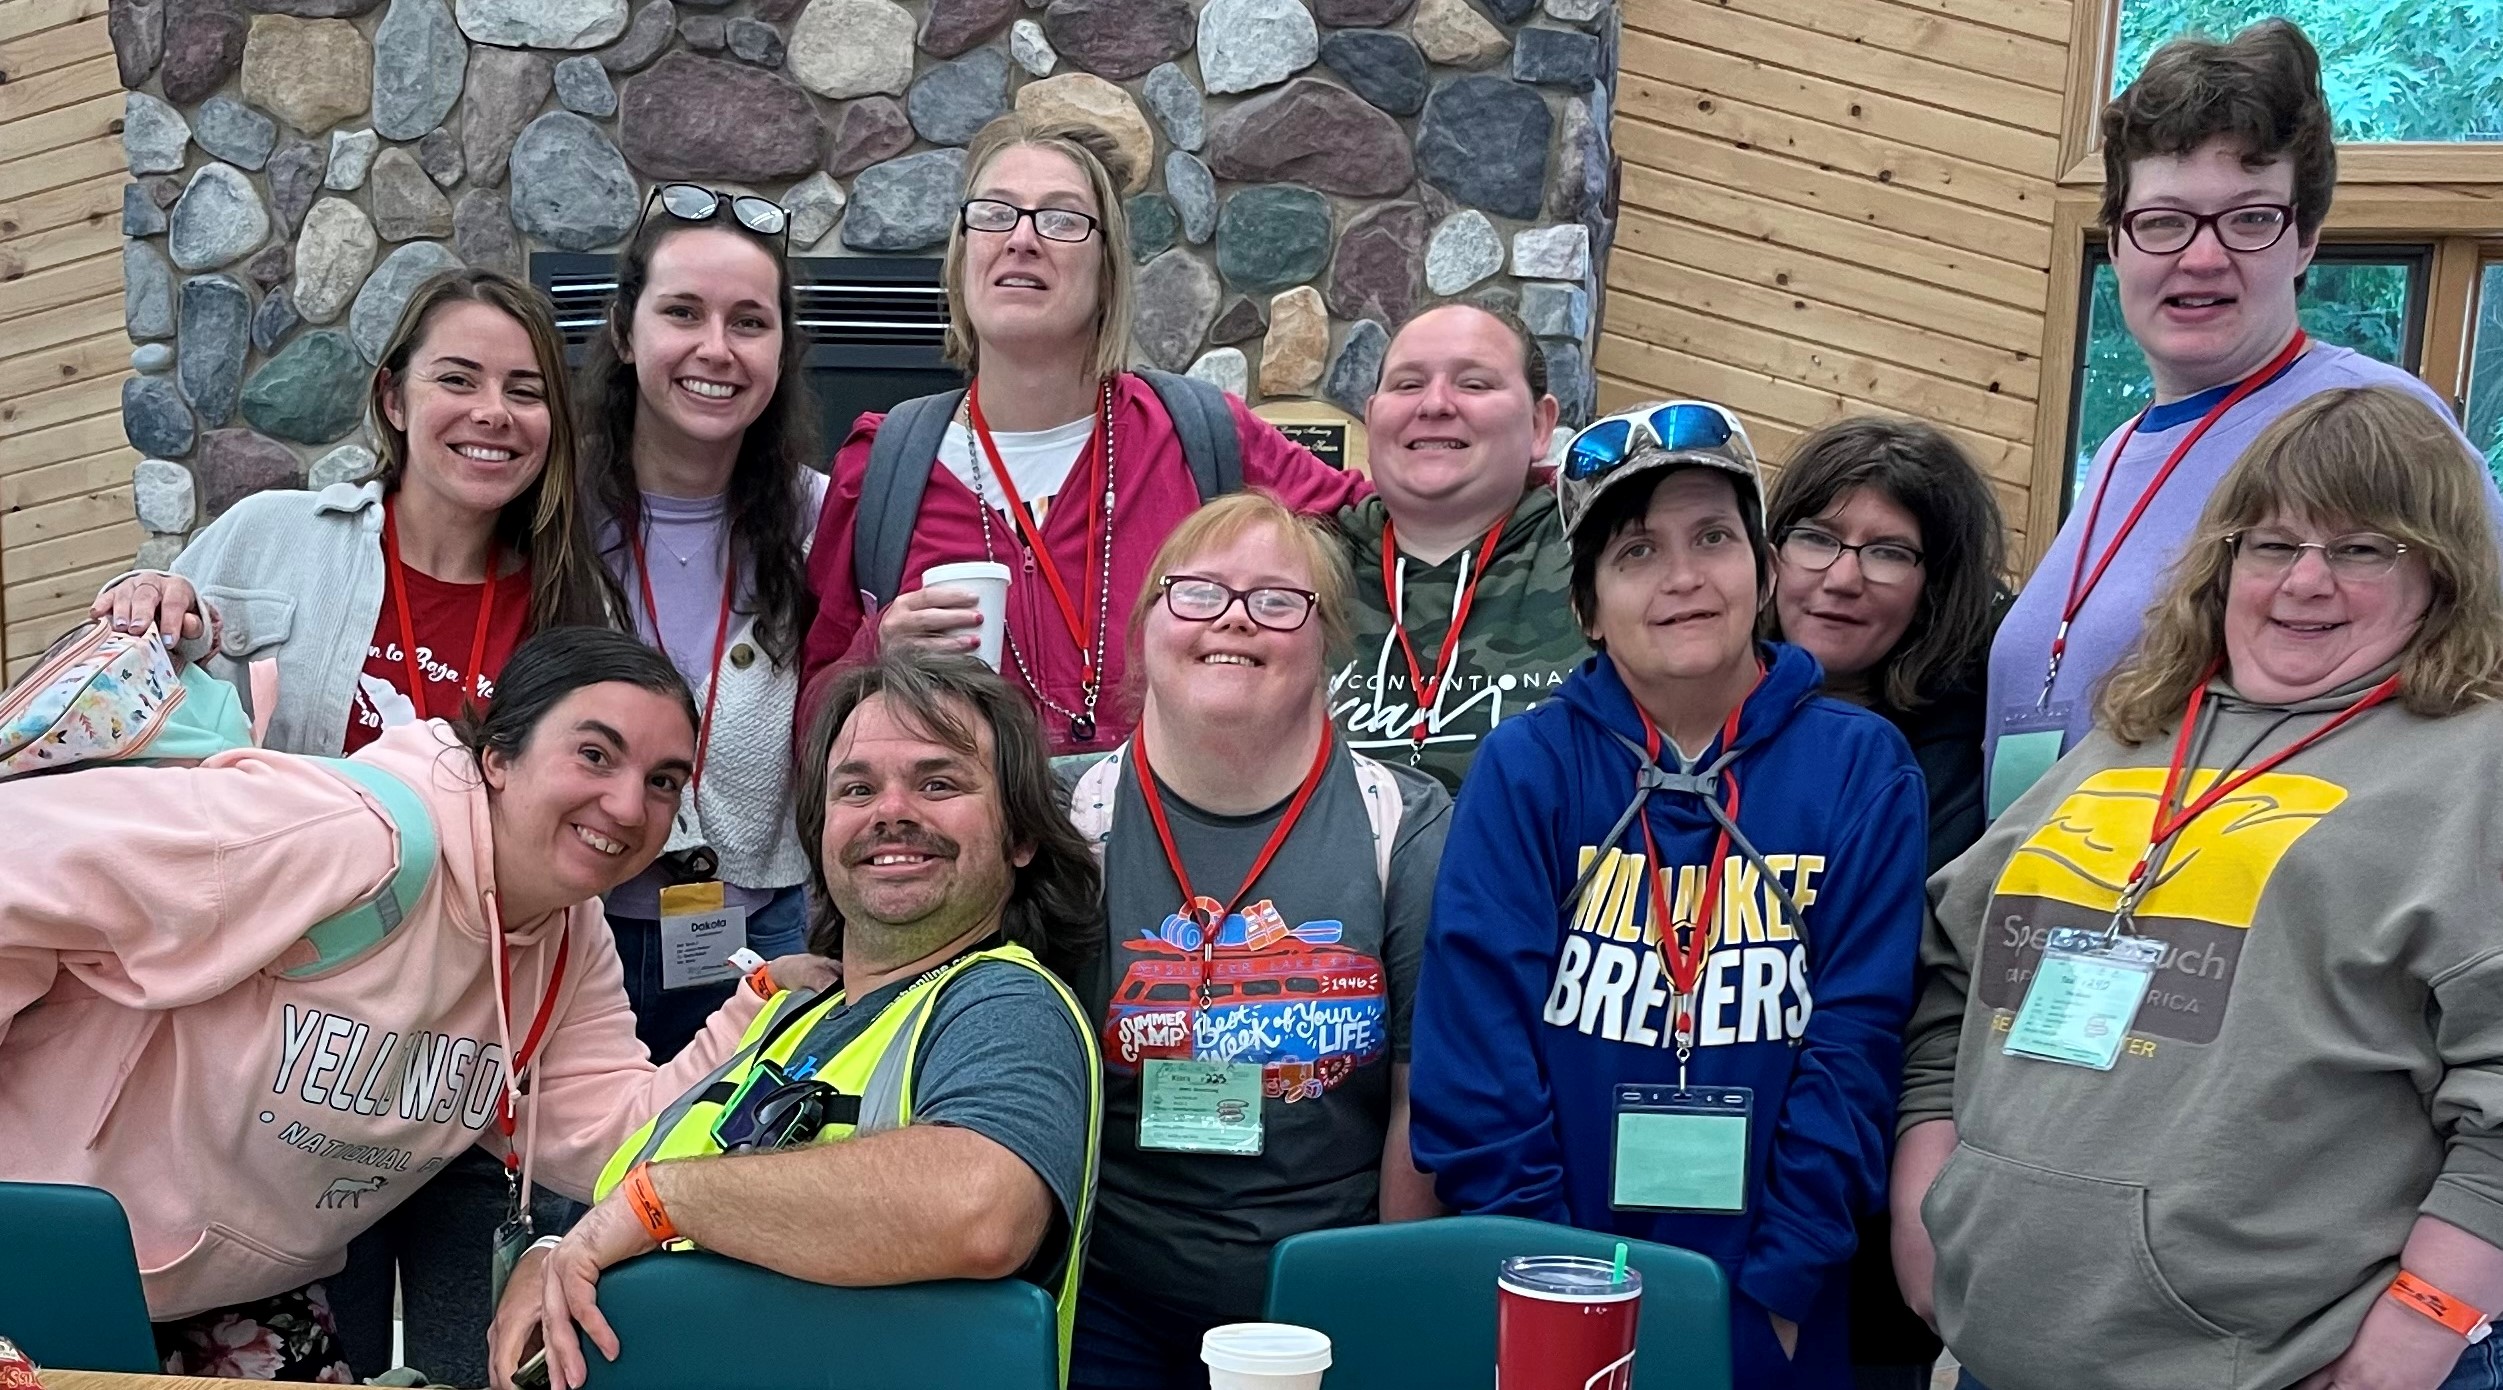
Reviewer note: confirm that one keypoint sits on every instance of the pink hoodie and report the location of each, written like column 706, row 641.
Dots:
column 251, row 1124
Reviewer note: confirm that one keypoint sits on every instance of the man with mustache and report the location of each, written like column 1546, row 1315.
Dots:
column 933, row 1113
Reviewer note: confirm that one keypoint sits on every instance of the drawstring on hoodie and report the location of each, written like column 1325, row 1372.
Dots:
column 1649, row 777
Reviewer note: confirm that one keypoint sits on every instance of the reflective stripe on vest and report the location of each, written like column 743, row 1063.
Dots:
column 878, row 1067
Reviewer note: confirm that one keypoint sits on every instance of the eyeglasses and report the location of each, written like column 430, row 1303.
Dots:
column 1051, row 224
column 792, row 1112
column 1881, row 562
column 1603, row 444
column 693, row 202
column 2356, row 555
column 2251, row 227
column 1197, row 600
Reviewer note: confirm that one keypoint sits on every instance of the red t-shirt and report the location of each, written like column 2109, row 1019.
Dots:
column 444, row 618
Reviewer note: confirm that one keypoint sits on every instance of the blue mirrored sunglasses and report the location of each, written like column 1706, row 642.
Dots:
column 1603, row 444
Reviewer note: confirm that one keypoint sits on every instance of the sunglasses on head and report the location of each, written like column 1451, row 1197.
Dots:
column 1603, row 444
column 692, row 202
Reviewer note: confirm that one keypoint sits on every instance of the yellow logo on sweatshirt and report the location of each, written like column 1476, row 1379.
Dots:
column 2217, row 868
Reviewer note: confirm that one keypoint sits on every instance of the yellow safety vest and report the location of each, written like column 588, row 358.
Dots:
column 878, row 1068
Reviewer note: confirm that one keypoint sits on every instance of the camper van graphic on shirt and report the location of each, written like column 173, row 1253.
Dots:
column 1293, row 999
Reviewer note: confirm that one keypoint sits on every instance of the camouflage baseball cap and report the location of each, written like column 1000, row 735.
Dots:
column 1656, row 435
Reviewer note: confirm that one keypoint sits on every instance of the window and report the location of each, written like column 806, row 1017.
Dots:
column 2363, row 297
column 2394, row 70
column 2485, row 371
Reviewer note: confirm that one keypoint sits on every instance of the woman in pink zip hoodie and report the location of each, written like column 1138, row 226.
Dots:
column 255, row 1096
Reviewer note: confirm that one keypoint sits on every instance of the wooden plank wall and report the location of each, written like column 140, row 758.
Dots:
column 65, row 507
column 1834, row 207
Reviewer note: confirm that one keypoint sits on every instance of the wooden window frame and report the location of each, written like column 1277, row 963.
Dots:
column 2094, row 34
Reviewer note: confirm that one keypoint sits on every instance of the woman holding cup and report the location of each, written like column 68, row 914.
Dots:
column 697, row 430
column 1058, row 461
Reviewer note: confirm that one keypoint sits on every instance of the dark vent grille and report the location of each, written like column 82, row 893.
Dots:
column 844, row 302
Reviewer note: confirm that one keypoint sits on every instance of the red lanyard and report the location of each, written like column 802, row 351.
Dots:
column 1071, row 612
column 408, row 629
column 1428, row 689
column 721, row 640
column 520, row 1061
column 2169, row 823
column 1211, row 917
column 1686, row 962
column 2080, row 582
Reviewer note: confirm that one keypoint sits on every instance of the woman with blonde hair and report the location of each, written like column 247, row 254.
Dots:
column 2210, row 1058
column 1265, row 904
column 1057, row 460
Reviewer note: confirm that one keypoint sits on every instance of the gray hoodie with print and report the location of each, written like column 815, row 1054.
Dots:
column 2318, row 1062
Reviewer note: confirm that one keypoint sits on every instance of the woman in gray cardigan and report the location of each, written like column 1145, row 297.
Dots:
column 370, row 604
column 474, row 441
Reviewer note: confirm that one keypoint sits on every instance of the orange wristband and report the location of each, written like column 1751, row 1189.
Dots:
column 2408, row 1291
column 762, row 982
column 647, row 1204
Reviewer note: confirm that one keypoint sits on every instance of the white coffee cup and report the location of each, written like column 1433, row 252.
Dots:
column 987, row 581
column 1264, row 1356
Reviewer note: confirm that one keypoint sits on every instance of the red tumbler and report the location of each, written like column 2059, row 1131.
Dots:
column 1563, row 1322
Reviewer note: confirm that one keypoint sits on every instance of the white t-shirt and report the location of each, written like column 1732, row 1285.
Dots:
column 1039, row 461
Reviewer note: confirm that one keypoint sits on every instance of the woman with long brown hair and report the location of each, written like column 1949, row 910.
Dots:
column 697, row 430
column 390, row 601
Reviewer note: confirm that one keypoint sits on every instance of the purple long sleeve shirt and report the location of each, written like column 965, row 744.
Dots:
column 2109, row 620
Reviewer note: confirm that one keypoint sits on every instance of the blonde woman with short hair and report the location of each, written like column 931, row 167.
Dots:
column 1058, row 460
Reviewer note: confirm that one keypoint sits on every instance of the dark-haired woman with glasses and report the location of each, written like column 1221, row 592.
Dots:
column 1059, row 460
column 1888, row 556
column 697, row 433
column 1674, row 932
column 2218, row 171
column 1266, row 894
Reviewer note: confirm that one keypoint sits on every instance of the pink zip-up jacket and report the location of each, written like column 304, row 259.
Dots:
column 252, row 1124
column 1152, row 491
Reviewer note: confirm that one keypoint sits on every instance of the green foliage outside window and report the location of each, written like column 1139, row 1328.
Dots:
column 2485, row 372
column 2392, row 69
column 2356, row 304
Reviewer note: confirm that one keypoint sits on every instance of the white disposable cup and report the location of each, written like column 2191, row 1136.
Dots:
column 987, row 581
column 1264, row 1356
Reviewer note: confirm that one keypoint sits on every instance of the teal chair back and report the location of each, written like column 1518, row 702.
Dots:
column 69, row 1288
column 1411, row 1306
column 690, row 1319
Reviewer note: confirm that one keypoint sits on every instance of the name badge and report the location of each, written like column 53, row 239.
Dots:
column 698, row 935
column 2084, row 996
column 1681, row 1149
column 2030, row 741
column 1200, row 1107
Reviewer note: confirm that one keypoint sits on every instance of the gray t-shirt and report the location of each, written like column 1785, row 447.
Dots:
column 1002, row 1058
column 1322, row 980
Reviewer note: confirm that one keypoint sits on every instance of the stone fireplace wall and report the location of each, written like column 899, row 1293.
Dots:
column 1305, row 176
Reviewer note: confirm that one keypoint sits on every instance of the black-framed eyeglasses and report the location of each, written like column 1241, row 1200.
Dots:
column 2356, row 555
column 1051, row 224
column 693, row 202
column 1197, row 600
column 2251, row 227
column 1881, row 562
column 792, row 1112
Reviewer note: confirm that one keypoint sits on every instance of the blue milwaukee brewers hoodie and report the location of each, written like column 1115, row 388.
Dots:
column 1531, row 1009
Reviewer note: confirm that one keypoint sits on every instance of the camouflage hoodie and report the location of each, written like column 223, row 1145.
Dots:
column 1519, row 644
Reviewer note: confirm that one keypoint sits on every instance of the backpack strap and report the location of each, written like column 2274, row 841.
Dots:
column 1204, row 422
column 1098, row 788
column 1383, row 807
column 340, row 939
column 901, row 455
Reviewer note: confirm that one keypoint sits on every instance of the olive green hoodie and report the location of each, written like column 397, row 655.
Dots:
column 2318, row 1062
column 1519, row 644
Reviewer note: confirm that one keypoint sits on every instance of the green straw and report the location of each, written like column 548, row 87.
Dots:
column 1617, row 1275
